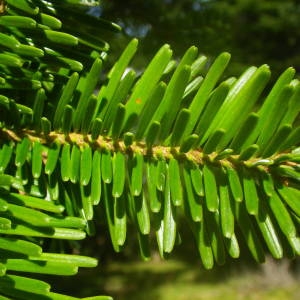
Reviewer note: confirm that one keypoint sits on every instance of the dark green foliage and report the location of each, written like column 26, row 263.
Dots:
column 178, row 140
column 253, row 31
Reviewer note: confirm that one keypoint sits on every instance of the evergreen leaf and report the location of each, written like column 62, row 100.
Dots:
column 176, row 140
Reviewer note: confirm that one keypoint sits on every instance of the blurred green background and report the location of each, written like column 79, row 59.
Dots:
column 255, row 32
column 125, row 276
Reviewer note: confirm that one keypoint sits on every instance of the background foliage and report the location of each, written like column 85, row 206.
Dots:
column 253, row 31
